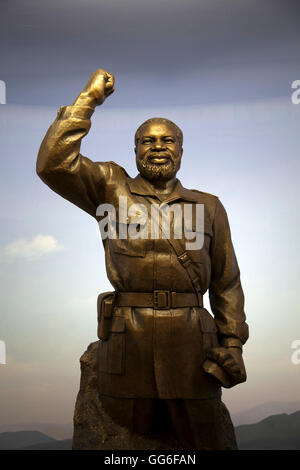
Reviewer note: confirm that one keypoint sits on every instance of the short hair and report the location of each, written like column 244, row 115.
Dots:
column 157, row 119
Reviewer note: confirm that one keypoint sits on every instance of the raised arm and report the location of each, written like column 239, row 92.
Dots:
column 59, row 163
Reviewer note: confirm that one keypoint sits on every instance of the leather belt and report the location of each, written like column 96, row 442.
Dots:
column 158, row 299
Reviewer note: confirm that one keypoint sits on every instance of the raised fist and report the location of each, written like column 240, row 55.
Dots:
column 97, row 89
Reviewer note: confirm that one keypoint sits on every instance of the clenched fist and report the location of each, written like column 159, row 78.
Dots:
column 97, row 89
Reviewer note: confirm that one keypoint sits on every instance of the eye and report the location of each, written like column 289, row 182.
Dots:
column 169, row 140
column 146, row 141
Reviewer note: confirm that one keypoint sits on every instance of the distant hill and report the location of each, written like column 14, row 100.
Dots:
column 250, row 416
column 260, row 412
column 57, row 431
column 14, row 440
column 280, row 432
column 66, row 444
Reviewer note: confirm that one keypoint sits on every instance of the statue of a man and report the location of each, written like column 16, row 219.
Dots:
column 162, row 356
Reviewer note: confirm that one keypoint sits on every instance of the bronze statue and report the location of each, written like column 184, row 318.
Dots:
column 162, row 358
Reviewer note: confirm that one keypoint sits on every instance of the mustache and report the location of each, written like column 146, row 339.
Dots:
column 161, row 154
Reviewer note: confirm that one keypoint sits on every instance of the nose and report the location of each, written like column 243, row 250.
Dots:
column 159, row 146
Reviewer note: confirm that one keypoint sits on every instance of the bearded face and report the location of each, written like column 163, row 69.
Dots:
column 158, row 151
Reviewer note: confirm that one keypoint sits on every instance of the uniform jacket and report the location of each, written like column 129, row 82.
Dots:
column 150, row 352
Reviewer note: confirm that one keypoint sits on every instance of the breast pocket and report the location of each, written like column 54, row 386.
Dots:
column 197, row 245
column 197, row 240
column 112, row 351
column 130, row 238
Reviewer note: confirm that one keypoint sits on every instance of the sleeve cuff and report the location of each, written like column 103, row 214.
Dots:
column 232, row 343
column 78, row 112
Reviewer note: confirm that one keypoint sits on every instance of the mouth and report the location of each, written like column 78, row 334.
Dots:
column 159, row 159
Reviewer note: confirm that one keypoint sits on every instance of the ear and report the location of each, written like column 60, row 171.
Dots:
column 135, row 150
column 181, row 152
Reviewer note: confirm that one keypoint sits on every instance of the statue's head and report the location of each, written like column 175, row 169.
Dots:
column 158, row 149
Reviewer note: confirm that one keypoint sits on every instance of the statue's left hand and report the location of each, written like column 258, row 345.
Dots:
column 231, row 360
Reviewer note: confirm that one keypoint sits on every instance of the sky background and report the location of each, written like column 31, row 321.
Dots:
column 222, row 70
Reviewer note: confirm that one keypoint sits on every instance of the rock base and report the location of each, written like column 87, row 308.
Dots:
column 95, row 430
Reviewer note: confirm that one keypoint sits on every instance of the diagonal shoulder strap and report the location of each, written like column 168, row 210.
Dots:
column 184, row 259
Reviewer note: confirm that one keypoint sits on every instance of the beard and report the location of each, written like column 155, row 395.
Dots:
column 157, row 172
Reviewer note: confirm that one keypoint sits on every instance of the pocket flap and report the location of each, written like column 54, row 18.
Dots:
column 117, row 325
column 129, row 247
column 207, row 322
column 203, row 226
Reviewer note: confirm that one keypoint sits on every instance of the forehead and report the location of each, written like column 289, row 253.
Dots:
column 158, row 129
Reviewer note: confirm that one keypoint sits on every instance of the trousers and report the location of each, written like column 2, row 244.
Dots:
column 196, row 424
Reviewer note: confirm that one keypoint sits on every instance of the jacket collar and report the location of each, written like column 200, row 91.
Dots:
column 140, row 185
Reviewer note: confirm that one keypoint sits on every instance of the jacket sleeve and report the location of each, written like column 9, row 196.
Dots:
column 225, row 292
column 64, row 169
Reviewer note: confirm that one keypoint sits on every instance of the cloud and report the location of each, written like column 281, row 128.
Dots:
column 30, row 250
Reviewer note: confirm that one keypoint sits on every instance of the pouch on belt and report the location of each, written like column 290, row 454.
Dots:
column 105, row 306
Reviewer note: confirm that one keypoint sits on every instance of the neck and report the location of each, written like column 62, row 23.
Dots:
column 163, row 187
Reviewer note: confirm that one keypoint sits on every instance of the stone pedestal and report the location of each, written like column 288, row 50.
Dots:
column 95, row 430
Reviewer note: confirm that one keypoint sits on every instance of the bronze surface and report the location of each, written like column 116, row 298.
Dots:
column 156, row 350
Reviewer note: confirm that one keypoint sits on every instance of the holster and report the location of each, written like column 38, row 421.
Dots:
column 105, row 306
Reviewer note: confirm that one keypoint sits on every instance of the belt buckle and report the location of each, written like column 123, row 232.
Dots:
column 162, row 299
